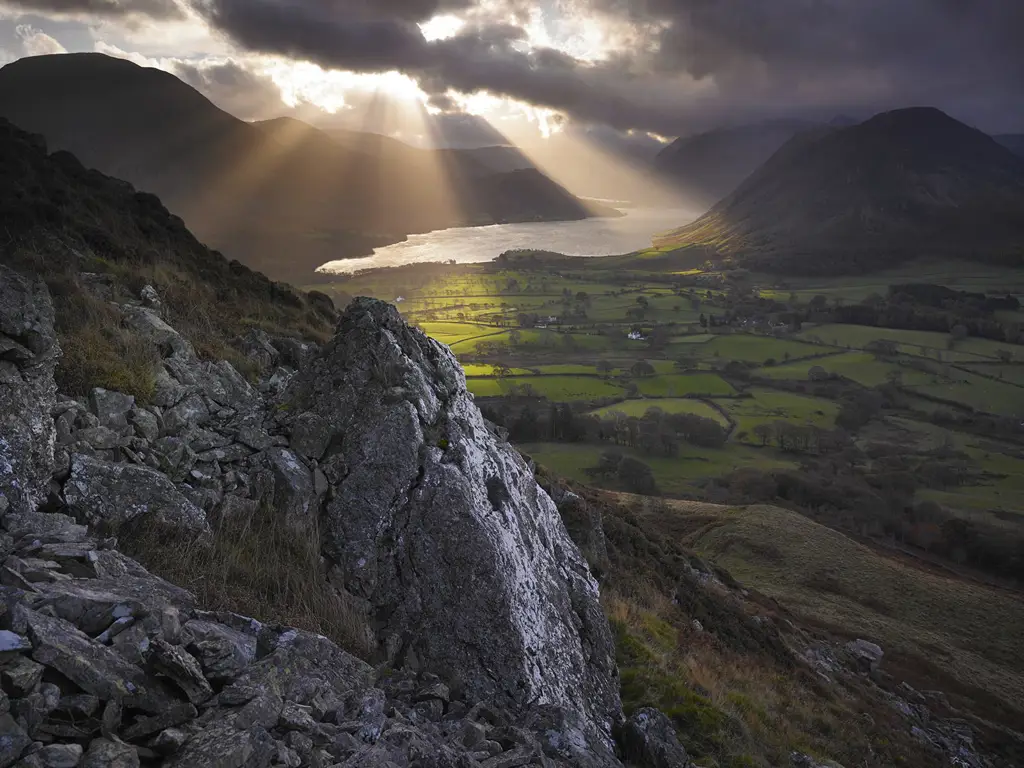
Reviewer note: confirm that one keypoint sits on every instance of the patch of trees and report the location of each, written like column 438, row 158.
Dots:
column 928, row 308
column 879, row 502
column 631, row 473
column 656, row 433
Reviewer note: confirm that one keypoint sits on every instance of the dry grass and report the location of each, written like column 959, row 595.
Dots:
column 254, row 567
column 970, row 631
column 735, row 691
column 97, row 350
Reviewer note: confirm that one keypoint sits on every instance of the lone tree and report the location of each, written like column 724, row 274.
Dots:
column 605, row 368
column 642, row 368
column 817, row 373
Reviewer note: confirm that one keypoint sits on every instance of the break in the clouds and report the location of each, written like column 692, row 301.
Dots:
column 688, row 59
column 665, row 66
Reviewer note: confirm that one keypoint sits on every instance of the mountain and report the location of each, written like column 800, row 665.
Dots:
column 908, row 183
column 1012, row 141
column 280, row 196
column 708, row 166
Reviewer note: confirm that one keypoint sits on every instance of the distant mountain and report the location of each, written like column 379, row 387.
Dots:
column 908, row 183
column 708, row 166
column 1013, row 142
column 280, row 196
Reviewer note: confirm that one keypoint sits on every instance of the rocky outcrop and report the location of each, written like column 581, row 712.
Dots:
column 28, row 355
column 441, row 528
column 498, row 653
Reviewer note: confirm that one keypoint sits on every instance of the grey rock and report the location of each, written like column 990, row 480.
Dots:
column 512, row 759
column 228, row 388
column 145, row 424
column 150, row 298
column 20, row 676
column 94, row 668
column 181, row 667
column 175, row 458
column 295, row 717
column 78, row 706
column 55, row 756
column 200, row 440
column 169, row 741
column 147, row 324
column 173, row 716
column 28, row 354
column 13, row 741
column 456, row 501
column 45, row 527
column 100, row 491
column 649, row 738
column 257, row 346
column 221, row 745
column 100, row 438
column 222, row 651
column 294, row 353
column 311, row 435
column 33, row 709
column 106, row 753
column 868, row 655
column 294, row 495
column 111, row 408
column 190, row 412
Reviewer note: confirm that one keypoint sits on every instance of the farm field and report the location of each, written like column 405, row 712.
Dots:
column 757, row 349
column 678, row 385
column 861, row 367
column 557, row 388
column 767, row 406
column 683, row 475
column 920, row 343
column 669, row 405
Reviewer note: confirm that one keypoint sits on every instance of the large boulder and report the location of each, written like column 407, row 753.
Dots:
column 100, row 491
column 441, row 528
column 28, row 356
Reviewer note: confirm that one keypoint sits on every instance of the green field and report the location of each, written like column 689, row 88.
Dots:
column 920, row 343
column 756, row 349
column 682, row 475
column 450, row 333
column 861, row 367
column 768, row 406
column 558, row 388
column 680, row 384
column 669, row 405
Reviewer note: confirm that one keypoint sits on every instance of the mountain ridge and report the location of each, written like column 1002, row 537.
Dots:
column 904, row 183
column 281, row 206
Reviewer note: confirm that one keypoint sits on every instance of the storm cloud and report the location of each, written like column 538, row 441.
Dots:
column 731, row 59
column 673, row 66
column 154, row 9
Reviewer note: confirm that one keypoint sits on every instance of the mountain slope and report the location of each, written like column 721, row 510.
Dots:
column 281, row 197
column 907, row 183
column 1012, row 141
column 710, row 165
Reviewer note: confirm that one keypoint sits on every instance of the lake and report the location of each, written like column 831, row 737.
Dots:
column 590, row 237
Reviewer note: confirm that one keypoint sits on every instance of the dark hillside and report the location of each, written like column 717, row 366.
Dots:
column 905, row 184
column 67, row 222
column 280, row 196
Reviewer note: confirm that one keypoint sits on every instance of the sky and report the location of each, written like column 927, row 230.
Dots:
column 640, row 70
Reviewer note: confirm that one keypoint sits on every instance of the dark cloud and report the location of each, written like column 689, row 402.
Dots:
column 155, row 9
column 694, row 62
column 688, row 64
column 233, row 88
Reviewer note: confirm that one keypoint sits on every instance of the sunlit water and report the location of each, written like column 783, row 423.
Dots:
column 591, row 237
